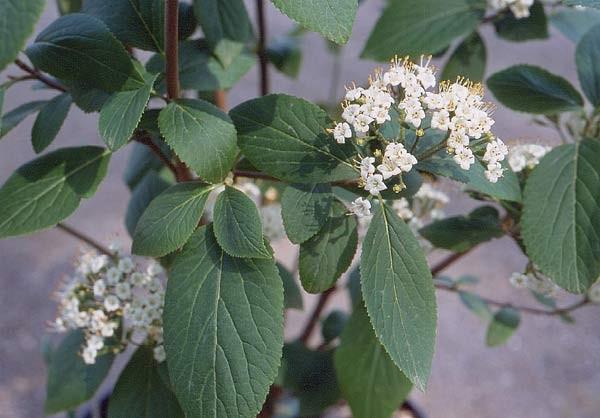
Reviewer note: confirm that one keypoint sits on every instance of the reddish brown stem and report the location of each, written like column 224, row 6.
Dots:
column 157, row 151
column 261, row 48
column 316, row 314
column 221, row 100
column 82, row 237
column 172, row 47
column 38, row 75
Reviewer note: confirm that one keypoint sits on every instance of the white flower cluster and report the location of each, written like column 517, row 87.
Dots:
column 535, row 281
column 396, row 160
column 526, row 156
column 519, row 8
column 109, row 295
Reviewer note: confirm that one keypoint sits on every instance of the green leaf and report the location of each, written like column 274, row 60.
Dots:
column 71, row 382
column 201, row 135
column 368, row 378
column 461, row 233
column 327, row 255
column 468, row 60
column 223, row 324
column 476, row 305
column 525, row 29
column 561, row 215
column 285, row 53
column 80, row 47
column 333, row 325
column 170, row 219
column 68, row 6
column 415, row 27
column 353, row 285
column 141, row 161
column 574, row 23
column 140, row 391
column 225, row 25
column 200, row 70
column 237, row 225
column 122, row 113
column 138, row 23
column 48, row 189
column 11, row 119
column 17, row 24
column 292, row 298
column 49, row 121
column 586, row 57
column 502, row 327
column 147, row 189
column 399, row 294
column 531, row 89
column 442, row 164
column 584, row 3
column 311, row 376
column 305, row 209
column 331, row 18
column 88, row 99
column 285, row 136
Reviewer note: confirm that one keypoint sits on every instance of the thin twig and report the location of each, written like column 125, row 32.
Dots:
column 38, row 75
column 448, row 261
column 316, row 314
column 221, row 99
column 261, row 48
column 82, row 237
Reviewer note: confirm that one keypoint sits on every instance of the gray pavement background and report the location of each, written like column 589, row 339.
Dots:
column 547, row 370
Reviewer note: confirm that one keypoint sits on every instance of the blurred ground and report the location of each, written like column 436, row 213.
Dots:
column 547, row 370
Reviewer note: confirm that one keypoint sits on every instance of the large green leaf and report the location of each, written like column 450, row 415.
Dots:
column 225, row 25
column 561, row 215
column 461, row 233
column 331, row 18
column 49, row 121
column 368, row 378
column 11, row 119
column 327, row 255
column 80, row 47
column 18, row 18
column 503, row 325
column 48, row 189
column 531, row 89
column 587, row 58
column 399, row 295
column 87, row 98
column 574, row 23
column 468, row 60
column 237, row 225
column 524, row 29
column 305, row 209
column 223, row 324
column 147, row 189
column 201, row 135
column 200, row 70
column 140, row 391
column 285, row 136
column 71, row 382
column 310, row 374
column 414, row 27
column 170, row 219
column 139, row 23
column 442, row 164
column 122, row 113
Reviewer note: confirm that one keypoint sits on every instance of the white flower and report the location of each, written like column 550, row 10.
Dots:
column 159, row 353
column 137, row 279
column 361, row 123
column 350, row 113
column 367, row 167
column 113, row 275
column 341, row 132
column 402, row 208
column 123, row 290
column 126, row 265
column 494, row 172
column 111, row 303
column 361, row 207
column 374, row 184
column 98, row 263
column 388, row 168
column 464, row 157
column 354, row 94
column 395, row 76
column 526, row 156
column 154, row 269
column 95, row 342
column 594, row 293
column 495, row 151
column 89, row 355
column 99, row 288
column 426, row 74
column 440, row 120
column 107, row 329
column 519, row 280
column 400, row 156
